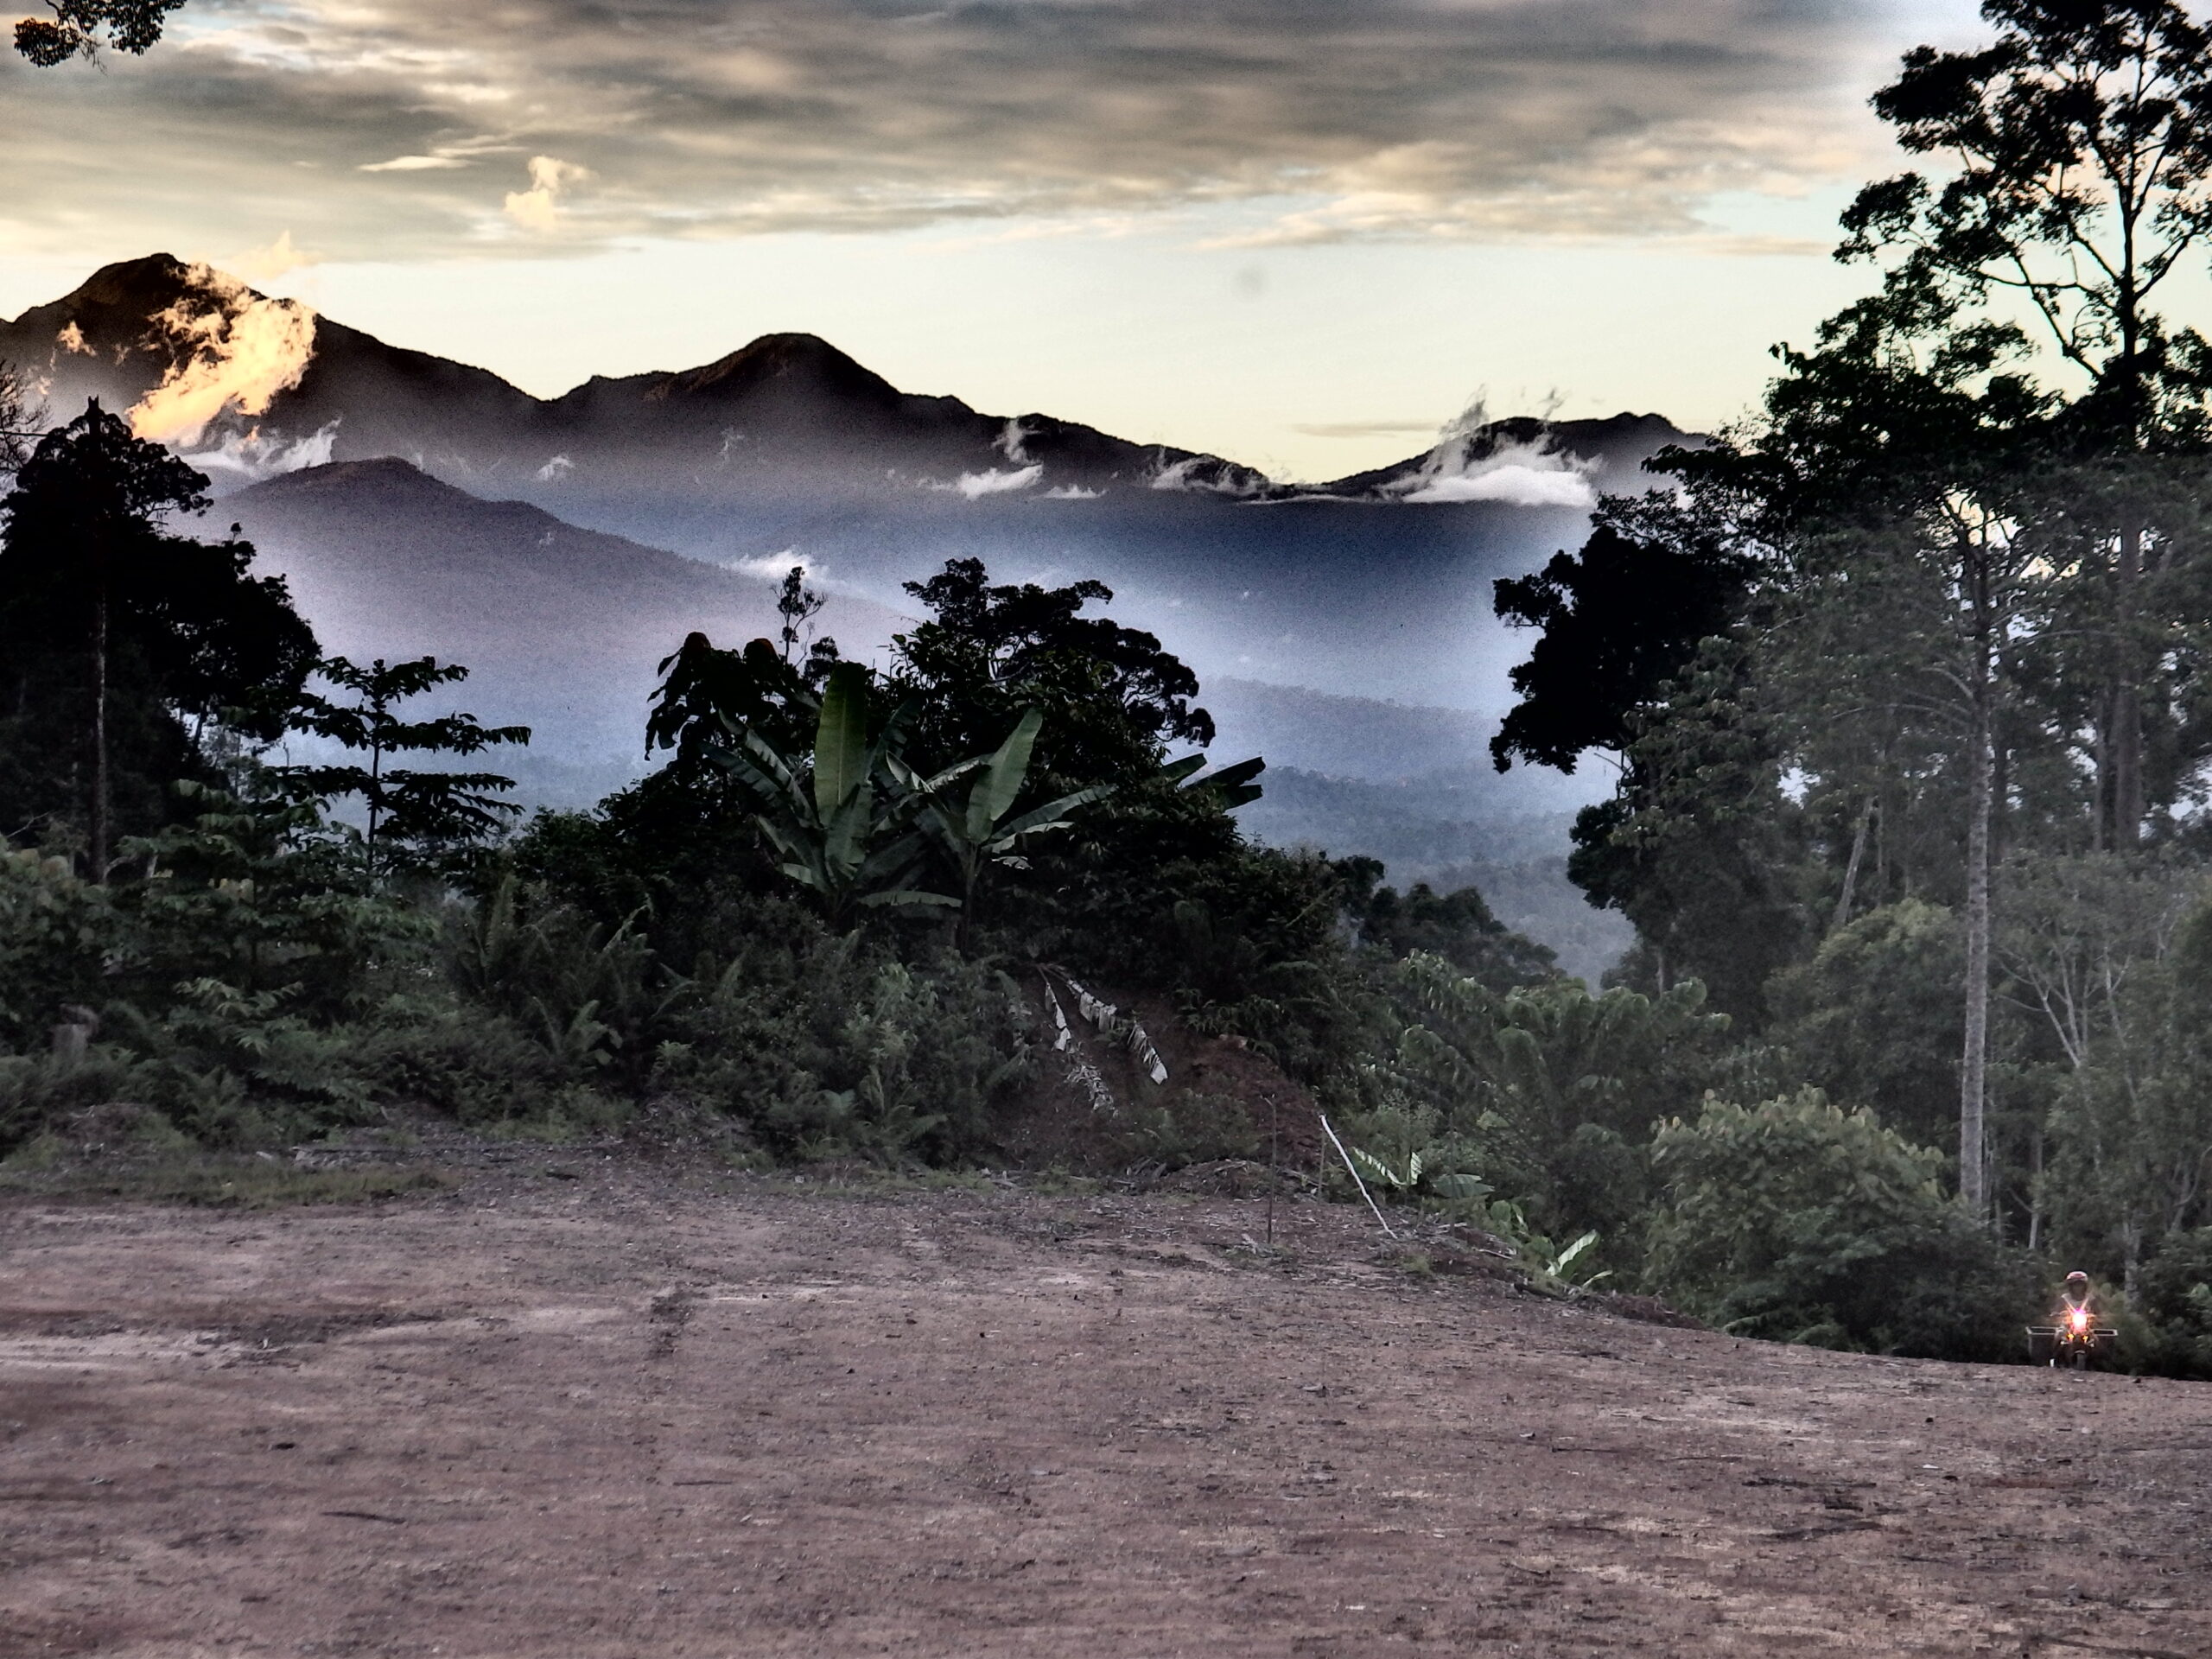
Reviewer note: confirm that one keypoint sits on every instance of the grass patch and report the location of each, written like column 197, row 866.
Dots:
column 221, row 1181
column 1415, row 1264
column 844, row 1176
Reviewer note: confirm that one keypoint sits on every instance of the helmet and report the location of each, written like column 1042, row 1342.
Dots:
column 2077, row 1277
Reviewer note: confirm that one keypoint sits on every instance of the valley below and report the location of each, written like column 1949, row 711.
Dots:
column 578, row 1406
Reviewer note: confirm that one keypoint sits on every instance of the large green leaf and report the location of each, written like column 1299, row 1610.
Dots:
column 1234, row 783
column 993, row 792
column 840, row 750
column 905, row 897
column 765, row 774
column 1051, row 815
column 846, row 831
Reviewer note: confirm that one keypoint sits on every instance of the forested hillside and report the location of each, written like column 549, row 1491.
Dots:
column 1900, row 687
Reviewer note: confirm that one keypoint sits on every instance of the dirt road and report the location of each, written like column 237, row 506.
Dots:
column 581, row 1417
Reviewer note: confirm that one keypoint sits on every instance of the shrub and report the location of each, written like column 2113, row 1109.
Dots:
column 1191, row 1127
column 2175, row 1301
column 474, row 1064
column 1797, row 1220
column 825, row 1044
column 56, row 932
column 1545, row 1090
column 39, row 1092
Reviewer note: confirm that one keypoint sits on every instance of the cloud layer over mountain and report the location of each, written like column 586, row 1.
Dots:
column 409, row 127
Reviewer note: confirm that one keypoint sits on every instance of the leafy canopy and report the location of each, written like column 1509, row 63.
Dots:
column 1618, row 620
column 841, row 818
column 1112, row 698
column 2081, row 140
column 1797, row 1220
column 127, row 644
column 80, row 27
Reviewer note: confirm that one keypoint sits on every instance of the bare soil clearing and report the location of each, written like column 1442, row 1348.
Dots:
column 612, row 1412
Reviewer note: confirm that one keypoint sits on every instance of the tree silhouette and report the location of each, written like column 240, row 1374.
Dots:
column 413, row 816
column 17, row 417
column 1618, row 620
column 124, row 644
column 80, row 27
column 1111, row 696
column 2081, row 140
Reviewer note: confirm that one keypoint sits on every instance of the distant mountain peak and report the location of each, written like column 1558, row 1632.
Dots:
column 802, row 363
column 127, row 278
column 388, row 476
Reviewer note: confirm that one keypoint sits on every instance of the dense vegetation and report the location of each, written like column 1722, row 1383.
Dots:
column 1903, row 680
column 1905, row 684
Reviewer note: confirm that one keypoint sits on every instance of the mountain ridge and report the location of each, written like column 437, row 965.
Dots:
column 785, row 413
column 560, row 626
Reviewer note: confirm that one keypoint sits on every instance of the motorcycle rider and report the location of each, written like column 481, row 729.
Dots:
column 2076, row 1296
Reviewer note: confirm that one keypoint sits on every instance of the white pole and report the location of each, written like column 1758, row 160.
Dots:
column 1356, row 1181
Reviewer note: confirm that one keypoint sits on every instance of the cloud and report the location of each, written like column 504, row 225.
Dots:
column 1204, row 475
column 537, row 208
column 1361, row 428
column 1470, row 463
column 266, row 264
column 236, row 352
column 772, row 567
column 444, row 157
column 413, row 164
column 1514, row 481
column 998, row 481
column 1013, row 441
column 248, row 457
column 1306, row 121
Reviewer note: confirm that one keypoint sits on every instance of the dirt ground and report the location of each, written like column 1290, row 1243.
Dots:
column 575, row 1410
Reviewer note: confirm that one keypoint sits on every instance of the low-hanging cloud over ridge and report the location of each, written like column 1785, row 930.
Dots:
column 409, row 126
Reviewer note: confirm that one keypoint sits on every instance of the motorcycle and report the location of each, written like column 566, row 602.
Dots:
column 2073, row 1342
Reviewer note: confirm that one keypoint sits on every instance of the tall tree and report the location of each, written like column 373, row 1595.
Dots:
column 414, row 815
column 709, row 697
column 1696, row 846
column 2081, row 147
column 797, row 605
column 1111, row 698
column 1887, row 483
column 125, row 644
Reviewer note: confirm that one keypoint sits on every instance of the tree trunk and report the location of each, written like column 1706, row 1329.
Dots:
column 2000, row 796
column 100, row 802
column 2127, row 793
column 2100, row 805
column 2034, row 1190
column 1851, row 868
column 375, row 807
column 1974, row 1066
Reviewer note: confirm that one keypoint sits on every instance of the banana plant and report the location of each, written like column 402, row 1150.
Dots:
column 853, row 845
column 973, row 833
column 1232, row 784
column 1417, row 1177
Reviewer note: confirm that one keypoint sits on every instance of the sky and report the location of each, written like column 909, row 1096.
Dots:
column 1305, row 234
